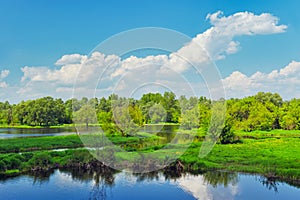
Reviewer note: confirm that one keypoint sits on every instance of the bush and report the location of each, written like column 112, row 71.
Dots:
column 13, row 161
column 227, row 136
column 42, row 160
column 3, row 166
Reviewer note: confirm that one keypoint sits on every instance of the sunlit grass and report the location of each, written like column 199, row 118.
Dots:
column 274, row 153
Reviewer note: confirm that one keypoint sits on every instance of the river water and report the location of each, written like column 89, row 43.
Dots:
column 6, row 133
column 77, row 184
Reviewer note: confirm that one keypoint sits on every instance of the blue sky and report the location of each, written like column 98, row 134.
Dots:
column 38, row 33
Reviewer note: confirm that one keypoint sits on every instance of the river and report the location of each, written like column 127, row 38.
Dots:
column 6, row 133
column 77, row 184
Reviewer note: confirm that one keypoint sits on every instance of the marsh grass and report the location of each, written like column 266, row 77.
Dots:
column 270, row 153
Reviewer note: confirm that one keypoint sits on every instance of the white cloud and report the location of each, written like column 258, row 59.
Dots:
column 3, row 85
column 71, row 59
column 201, row 190
column 3, row 74
column 246, row 23
column 285, row 81
column 166, row 70
column 219, row 39
column 292, row 69
column 70, row 71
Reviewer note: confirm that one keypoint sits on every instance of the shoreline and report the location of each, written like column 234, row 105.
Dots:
column 274, row 154
column 169, row 169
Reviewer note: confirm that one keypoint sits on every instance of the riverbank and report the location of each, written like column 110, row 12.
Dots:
column 73, row 125
column 37, row 127
column 274, row 154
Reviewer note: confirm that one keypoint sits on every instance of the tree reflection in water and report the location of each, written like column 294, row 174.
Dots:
column 269, row 183
column 41, row 177
column 103, row 178
column 216, row 178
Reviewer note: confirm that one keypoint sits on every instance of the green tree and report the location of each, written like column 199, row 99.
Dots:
column 290, row 115
column 204, row 107
column 6, row 115
column 189, row 119
column 85, row 115
column 189, row 113
column 157, row 113
column 227, row 135
column 146, row 102
column 171, row 106
column 124, row 122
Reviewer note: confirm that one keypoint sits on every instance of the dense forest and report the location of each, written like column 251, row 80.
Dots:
column 263, row 111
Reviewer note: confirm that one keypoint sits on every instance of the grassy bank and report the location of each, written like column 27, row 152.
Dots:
column 272, row 157
column 39, row 143
column 16, row 145
column 274, row 154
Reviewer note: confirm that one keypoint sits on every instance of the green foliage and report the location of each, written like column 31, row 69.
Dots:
column 85, row 115
column 42, row 160
column 3, row 166
column 41, row 112
column 227, row 135
column 124, row 122
column 11, row 161
column 276, row 152
column 204, row 112
column 290, row 115
column 5, row 113
column 172, row 107
column 12, row 172
column 157, row 113
column 263, row 111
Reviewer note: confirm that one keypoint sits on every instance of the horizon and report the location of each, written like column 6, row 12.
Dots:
column 139, row 98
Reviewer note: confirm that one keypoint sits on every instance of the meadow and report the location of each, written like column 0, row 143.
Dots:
column 274, row 154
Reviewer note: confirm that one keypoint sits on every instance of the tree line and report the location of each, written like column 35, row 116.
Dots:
column 263, row 111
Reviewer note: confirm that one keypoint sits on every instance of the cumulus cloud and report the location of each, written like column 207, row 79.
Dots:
column 71, row 59
column 285, row 81
column 174, row 70
column 219, row 39
column 82, row 71
column 3, row 75
column 246, row 23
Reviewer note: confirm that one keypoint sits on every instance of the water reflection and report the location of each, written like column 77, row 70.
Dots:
column 223, row 178
column 269, row 183
column 105, row 183
column 6, row 133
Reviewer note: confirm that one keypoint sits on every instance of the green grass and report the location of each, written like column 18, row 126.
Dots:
column 271, row 156
column 271, row 153
column 12, row 172
column 68, row 141
column 39, row 143
column 13, row 163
